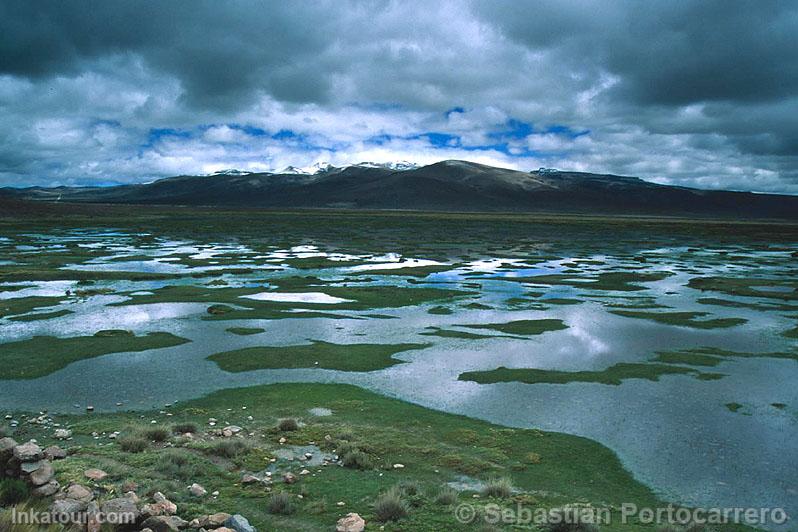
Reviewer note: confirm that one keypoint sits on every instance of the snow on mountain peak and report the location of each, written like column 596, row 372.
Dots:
column 324, row 167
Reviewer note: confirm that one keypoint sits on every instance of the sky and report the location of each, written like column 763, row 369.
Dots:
column 699, row 93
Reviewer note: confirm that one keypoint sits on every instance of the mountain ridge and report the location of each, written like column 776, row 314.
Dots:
column 443, row 186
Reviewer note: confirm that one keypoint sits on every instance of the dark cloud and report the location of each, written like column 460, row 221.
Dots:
column 695, row 92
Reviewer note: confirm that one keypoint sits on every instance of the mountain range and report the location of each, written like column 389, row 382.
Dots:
column 443, row 186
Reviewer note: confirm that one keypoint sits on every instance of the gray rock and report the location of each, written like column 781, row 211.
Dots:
column 164, row 523
column 30, row 467
column 43, row 474
column 120, row 510
column 54, row 452
column 7, row 448
column 239, row 523
column 27, row 452
column 67, row 507
column 62, row 434
column 79, row 493
column 47, row 490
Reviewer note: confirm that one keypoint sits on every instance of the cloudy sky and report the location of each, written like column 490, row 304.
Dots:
column 698, row 93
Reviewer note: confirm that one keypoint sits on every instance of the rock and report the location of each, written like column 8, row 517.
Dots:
column 62, row 434
column 282, row 440
column 132, row 496
column 239, row 523
column 197, row 491
column 47, row 490
column 289, row 478
column 54, row 452
column 7, row 448
column 352, row 522
column 27, row 452
column 43, row 474
column 95, row 474
column 398, row 466
column 210, row 521
column 304, row 472
column 231, row 430
column 67, row 507
column 249, row 479
column 89, row 408
column 30, row 467
column 94, row 521
column 120, row 510
column 79, row 493
column 162, row 506
column 340, row 503
column 164, row 523
column 224, row 529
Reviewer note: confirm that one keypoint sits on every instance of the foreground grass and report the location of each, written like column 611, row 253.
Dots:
column 325, row 355
column 42, row 355
column 545, row 469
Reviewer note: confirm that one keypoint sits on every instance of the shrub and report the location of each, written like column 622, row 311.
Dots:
column 156, row 434
column 446, row 496
column 133, row 443
column 390, row 507
column 229, row 448
column 13, row 491
column 183, row 428
column 501, row 488
column 280, row 503
column 345, row 434
column 409, row 488
column 176, row 463
column 356, row 460
column 287, row 424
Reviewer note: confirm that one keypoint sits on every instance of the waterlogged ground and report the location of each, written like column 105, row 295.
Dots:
column 676, row 347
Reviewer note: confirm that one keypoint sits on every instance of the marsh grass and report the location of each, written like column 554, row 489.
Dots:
column 498, row 487
column 280, row 503
column 133, row 443
column 390, row 506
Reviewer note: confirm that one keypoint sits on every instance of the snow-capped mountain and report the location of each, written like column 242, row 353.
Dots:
column 231, row 171
column 324, row 167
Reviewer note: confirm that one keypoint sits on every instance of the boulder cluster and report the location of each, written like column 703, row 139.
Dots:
column 79, row 502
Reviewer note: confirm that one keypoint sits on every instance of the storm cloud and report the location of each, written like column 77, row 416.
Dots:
column 696, row 93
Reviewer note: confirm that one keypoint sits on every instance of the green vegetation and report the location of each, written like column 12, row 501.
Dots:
column 343, row 357
column 440, row 310
column 449, row 333
column 611, row 281
column 42, row 355
column 22, row 305
column 748, row 286
column 434, row 448
column 712, row 356
column 245, row 331
column 612, row 375
column 500, row 488
column 41, row 315
column 733, row 407
column 682, row 319
column 229, row 303
column 13, row 491
column 522, row 327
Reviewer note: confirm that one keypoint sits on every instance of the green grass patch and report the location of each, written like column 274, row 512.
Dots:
column 682, row 319
column 614, row 375
column 42, row 355
column 245, row 331
column 522, row 327
column 326, row 355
